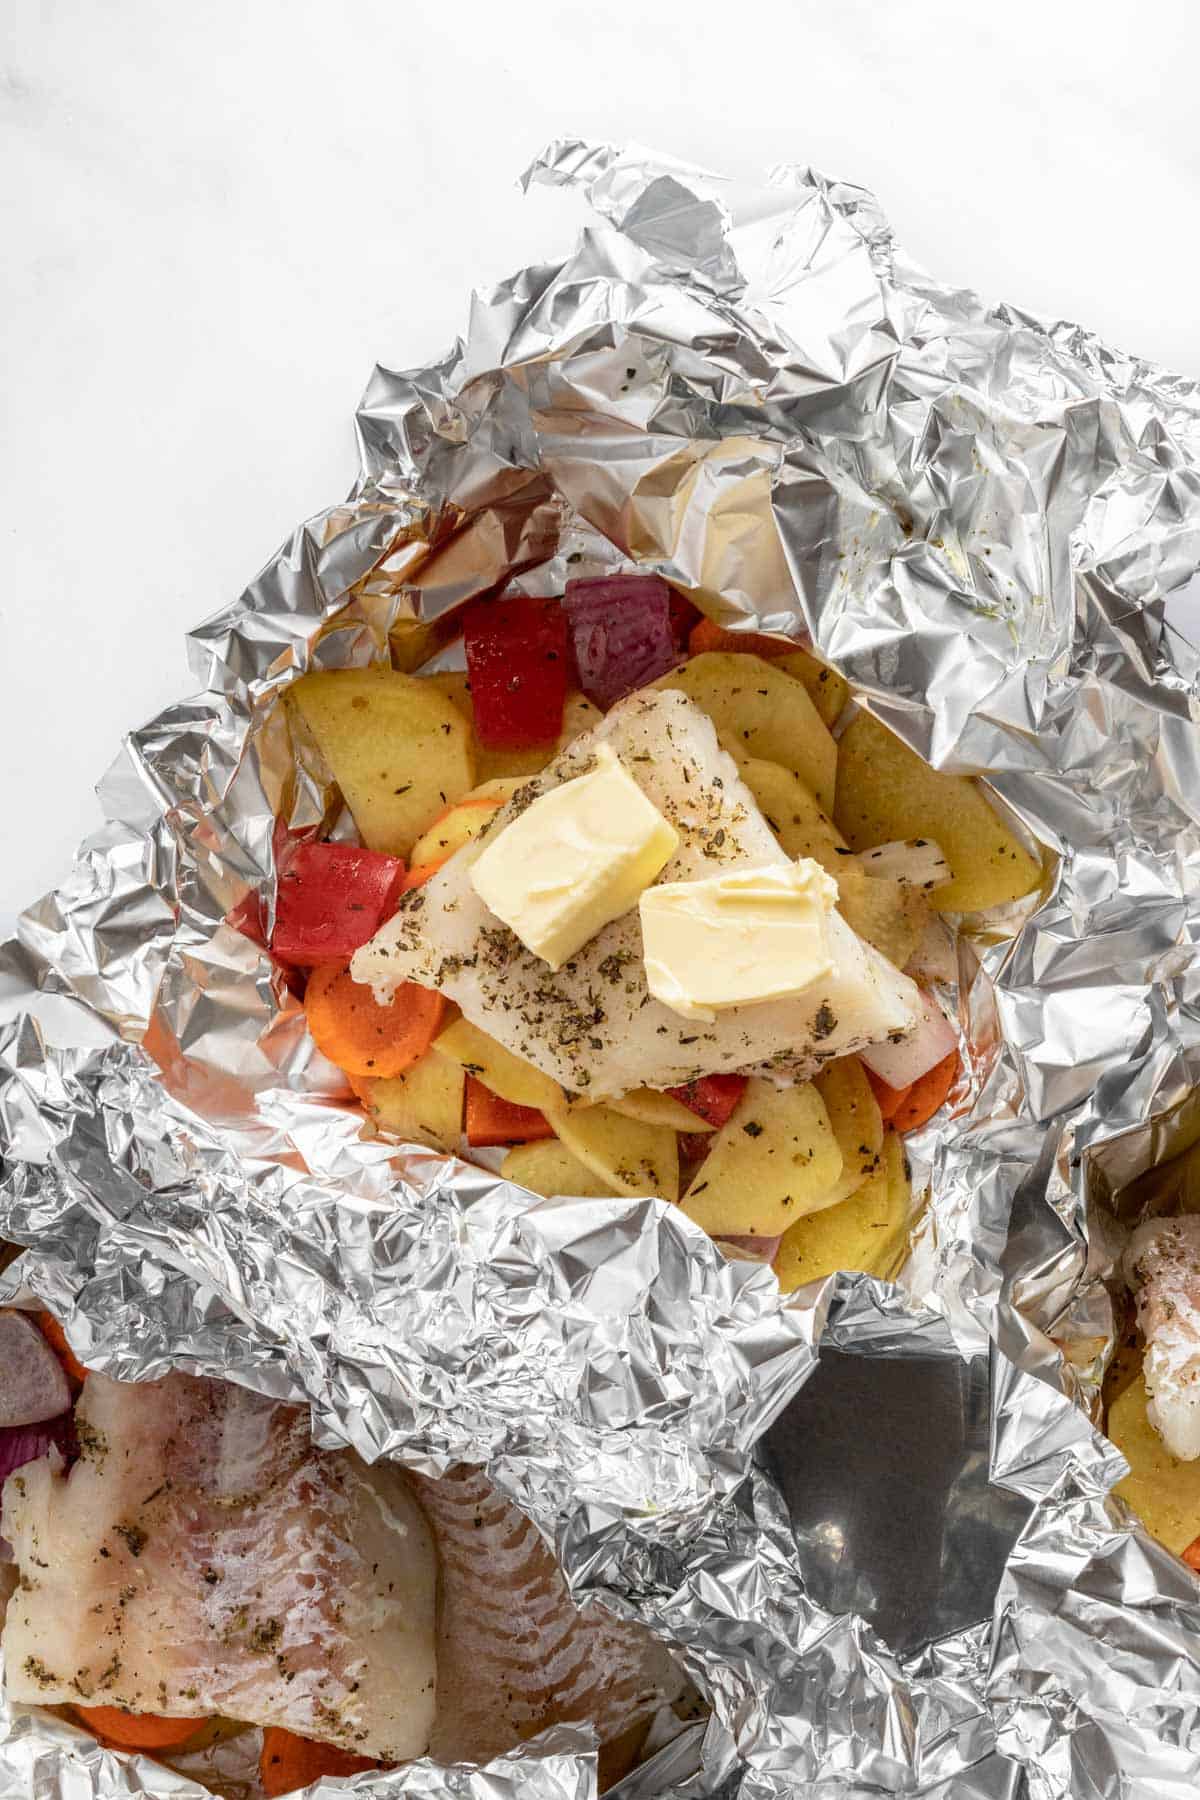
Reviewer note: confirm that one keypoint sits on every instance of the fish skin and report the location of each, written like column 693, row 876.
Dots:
column 515, row 1652
column 593, row 1026
column 203, row 1557
column 1162, row 1265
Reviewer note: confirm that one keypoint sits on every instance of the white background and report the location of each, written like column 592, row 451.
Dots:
column 216, row 217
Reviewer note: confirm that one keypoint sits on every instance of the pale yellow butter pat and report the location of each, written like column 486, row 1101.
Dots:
column 575, row 859
column 739, row 937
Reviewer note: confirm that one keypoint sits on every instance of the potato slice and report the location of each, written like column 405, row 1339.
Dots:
column 399, row 750
column 656, row 1108
column 856, row 1120
column 463, row 821
column 886, row 791
column 793, row 815
column 1164, row 1492
column 774, row 1158
column 549, row 1168
column 454, row 684
column 887, row 913
column 869, row 1231
column 422, row 1106
column 507, row 1074
column 456, row 827
column 826, row 688
column 762, row 712
column 633, row 1157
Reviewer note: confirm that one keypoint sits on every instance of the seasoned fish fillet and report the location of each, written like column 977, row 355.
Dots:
column 203, row 1557
column 593, row 1026
column 1162, row 1264
column 515, row 1653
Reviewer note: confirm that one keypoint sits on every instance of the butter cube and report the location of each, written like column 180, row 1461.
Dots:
column 739, row 937
column 575, row 859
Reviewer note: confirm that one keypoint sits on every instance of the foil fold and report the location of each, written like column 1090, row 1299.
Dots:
column 991, row 526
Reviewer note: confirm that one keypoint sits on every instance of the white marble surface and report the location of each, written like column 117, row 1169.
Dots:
column 216, row 218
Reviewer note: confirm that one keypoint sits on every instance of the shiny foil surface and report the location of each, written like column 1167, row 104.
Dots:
column 991, row 526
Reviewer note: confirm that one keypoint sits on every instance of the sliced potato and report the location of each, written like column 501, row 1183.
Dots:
column 507, row 1074
column 887, row 913
column 774, row 1158
column 550, row 1169
column 453, row 683
column 856, row 1120
column 762, row 712
column 412, row 642
column 422, row 1106
column 826, row 688
column 1164, row 1492
column 456, row 827
column 579, row 715
column 500, row 788
column 633, row 1157
column 793, row 815
column 463, row 821
column 869, row 1231
column 886, row 791
column 399, row 750
column 656, row 1108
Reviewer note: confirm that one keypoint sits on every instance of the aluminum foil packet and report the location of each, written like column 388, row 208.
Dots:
column 991, row 526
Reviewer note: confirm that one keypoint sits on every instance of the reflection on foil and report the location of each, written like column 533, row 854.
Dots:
column 991, row 526
column 883, row 1466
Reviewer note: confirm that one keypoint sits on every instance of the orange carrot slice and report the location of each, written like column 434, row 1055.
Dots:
column 288, row 1762
column 925, row 1095
column 1191, row 1555
column 358, row 1034
column 416, row 878
column 491, row 1120
column 56, row 1337
column 137, row 1731
column 888, row 1098
column 707, row 636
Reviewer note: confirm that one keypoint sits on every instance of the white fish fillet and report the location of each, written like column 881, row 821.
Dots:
column 1162, row 1264
column 593, row 1026
column 202, row 1557
column 515, row 1653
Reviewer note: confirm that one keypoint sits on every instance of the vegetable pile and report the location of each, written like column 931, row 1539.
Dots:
column 808, row 1174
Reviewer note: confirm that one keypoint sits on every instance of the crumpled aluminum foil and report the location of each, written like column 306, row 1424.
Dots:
column 992, row 527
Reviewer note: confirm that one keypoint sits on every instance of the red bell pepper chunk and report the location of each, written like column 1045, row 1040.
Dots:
column 518, row 665
column 330, row 899
column 712, row 1096
column 491, row 1120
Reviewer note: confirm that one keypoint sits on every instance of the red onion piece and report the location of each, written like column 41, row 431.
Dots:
column 33, row 1385
column 21, row 1444
column 621, row 632
column 929, row 1044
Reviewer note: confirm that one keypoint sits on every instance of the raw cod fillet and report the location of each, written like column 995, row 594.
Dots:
column 203, row 1557
column 1162, row 1264
column 515, row 1653
column 593, row 1026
